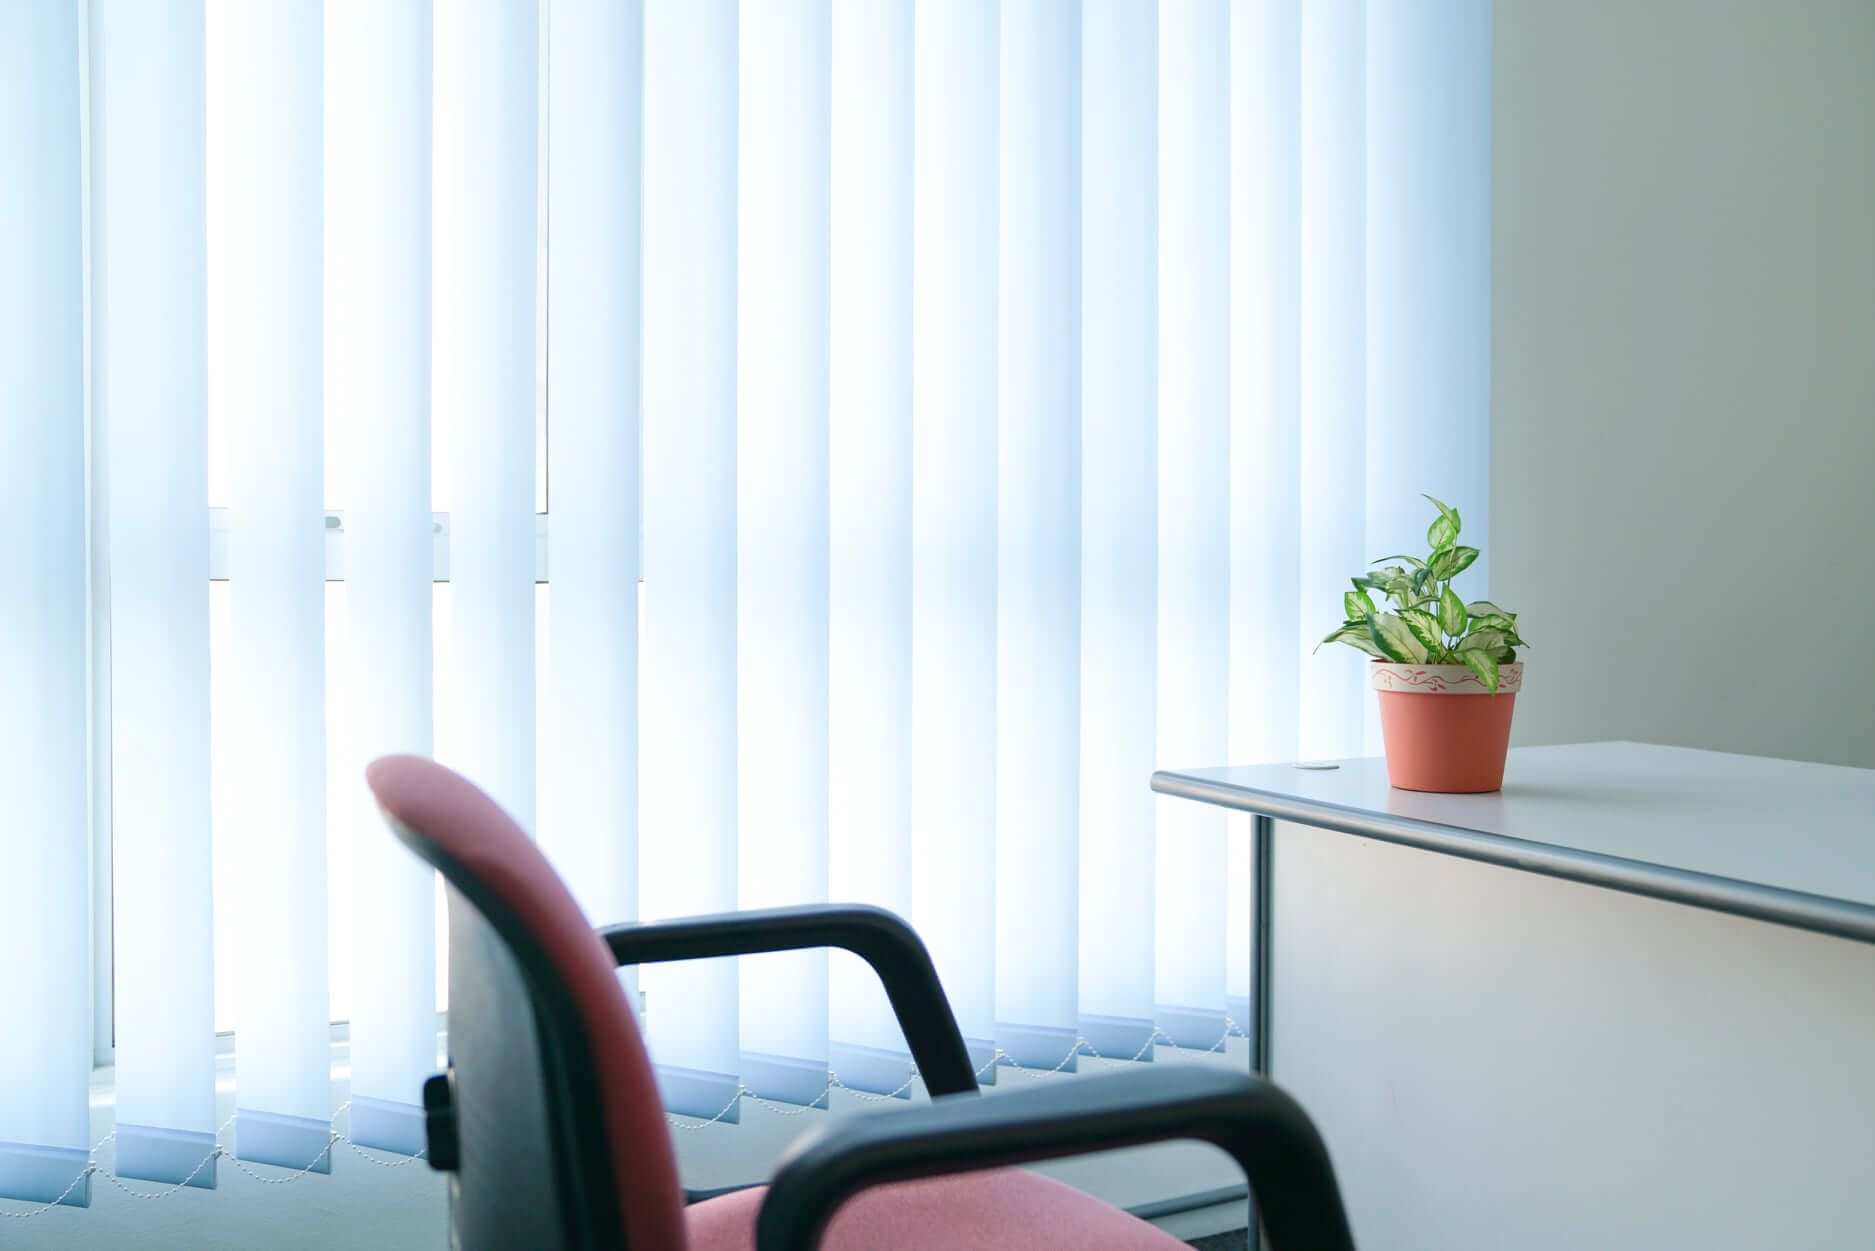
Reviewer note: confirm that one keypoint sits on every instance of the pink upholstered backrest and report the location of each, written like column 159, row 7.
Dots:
column 483, row 843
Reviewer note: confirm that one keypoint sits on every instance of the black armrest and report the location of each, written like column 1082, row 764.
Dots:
column 880, row 938
column 1265, row 1130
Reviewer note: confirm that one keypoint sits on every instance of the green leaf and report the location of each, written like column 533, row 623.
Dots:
column 1491, row 642
column 1453, row 561
column 1354, row 634
column 1357, row 604
column 1414, row 561
column 1502, row 624
column 1395, row 640
column 1421, row 577
column 1482, row 664
column 1452, row 614
column 1485, row 608
column 1425, row 628
column 1444, row 531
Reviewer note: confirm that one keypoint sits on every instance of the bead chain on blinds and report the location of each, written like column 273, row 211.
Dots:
column 989, row 395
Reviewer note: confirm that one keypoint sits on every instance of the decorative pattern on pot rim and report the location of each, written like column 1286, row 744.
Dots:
column 1442, row 679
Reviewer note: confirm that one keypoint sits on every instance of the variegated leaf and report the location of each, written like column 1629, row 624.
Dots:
column 1395, row 640
column 1441, row 534
column 1484, row 665
column 1445, row 510
column 1425, row 628
column 1452, row 614
column 1453, row 561
column 1355, row 635
column 1489, row 641
column 1414, row 561
column 1485, row 608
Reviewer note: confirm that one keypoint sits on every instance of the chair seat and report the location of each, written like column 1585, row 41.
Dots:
column 993, row 1210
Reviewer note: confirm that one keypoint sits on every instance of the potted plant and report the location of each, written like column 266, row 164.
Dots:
column 1446, row 671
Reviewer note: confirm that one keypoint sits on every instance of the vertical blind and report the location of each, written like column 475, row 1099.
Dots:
column 379, row 61
column 45, row 1027
column 954, row 411
column 149, row 406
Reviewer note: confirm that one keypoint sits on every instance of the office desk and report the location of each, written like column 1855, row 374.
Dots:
column 1628, row 1001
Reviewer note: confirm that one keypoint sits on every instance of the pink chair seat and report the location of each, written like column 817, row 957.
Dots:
column 1005, row 1209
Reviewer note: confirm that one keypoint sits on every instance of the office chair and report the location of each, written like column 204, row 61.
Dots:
column 550, row 1124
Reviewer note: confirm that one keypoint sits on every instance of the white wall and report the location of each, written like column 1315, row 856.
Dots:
column 1684, row 369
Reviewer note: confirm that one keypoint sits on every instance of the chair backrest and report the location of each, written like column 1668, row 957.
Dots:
column 563, row 1143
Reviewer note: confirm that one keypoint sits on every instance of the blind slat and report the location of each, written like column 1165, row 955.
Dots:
column 1119, row 512
column 782, row 509
column 1266, row 617
column 377, row 336
column 869, row 453
column 149, row 404
column 1194, row 508
column 954, row 419
column 1038, row 589
column 1332, row 390
column 589, row 820
column 688, row 764
column 265, row 278
column 45, row 1046
column 487, row 65
column 1428, row 298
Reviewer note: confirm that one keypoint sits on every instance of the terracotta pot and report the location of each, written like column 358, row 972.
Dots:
column 1444, row 731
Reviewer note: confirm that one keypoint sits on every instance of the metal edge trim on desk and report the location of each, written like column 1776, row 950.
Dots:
column 1821, row 914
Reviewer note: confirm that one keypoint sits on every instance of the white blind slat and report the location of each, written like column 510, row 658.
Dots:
column 954, row 420
column 149, row 397
column 589, row 820
column 1119, row 519
column 44, row 895
column 1428, row 194
column 264, row 93
column 487, row 66
column 782, row 542
column 377, row 380
column 1038, row 591
column 688, row 764
column 1332, row 390
column 869, row 511
column 1194, row 508
column 1266, row 617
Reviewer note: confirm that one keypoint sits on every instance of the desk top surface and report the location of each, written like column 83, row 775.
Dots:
column 1780, row 840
